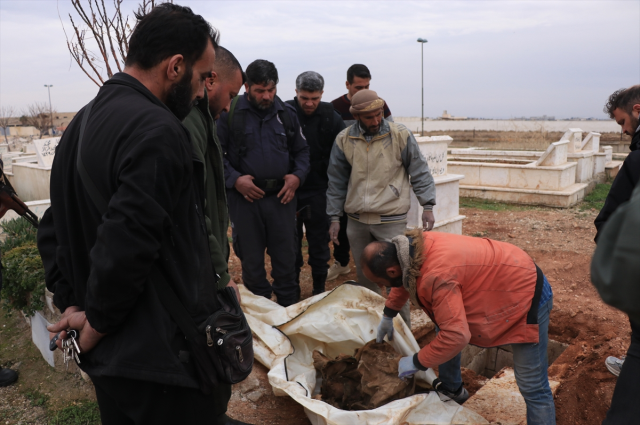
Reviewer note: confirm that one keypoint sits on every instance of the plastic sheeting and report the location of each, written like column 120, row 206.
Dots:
column 337, row 322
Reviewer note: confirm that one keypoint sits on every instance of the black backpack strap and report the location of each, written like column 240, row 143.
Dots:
column 287, row 122
column 167, row 295
column 237, row 143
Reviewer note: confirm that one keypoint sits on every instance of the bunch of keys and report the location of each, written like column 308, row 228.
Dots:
column 70, row 349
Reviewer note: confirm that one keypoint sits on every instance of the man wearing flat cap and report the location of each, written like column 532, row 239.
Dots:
column 373, row 166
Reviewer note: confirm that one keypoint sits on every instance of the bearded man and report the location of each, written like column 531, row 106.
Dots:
column 266, row 159
column 477, row 291
column 624, row 107
column 103, row 260
column 374, row 165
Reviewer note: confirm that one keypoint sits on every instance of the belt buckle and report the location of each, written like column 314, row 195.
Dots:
column 270, row 183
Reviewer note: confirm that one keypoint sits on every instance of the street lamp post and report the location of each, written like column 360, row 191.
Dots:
column 50, row 108
column 422, row 41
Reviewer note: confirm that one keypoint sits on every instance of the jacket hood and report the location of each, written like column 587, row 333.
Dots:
column 410, row 247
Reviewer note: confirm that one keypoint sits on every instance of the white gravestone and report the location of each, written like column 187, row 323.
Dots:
column 446, row 211
column 46, row 150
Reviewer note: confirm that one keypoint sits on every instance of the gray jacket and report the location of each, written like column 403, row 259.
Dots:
column 371, row 181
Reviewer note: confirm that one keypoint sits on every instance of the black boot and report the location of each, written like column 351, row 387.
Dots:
column 7, row 377
column 319, row 280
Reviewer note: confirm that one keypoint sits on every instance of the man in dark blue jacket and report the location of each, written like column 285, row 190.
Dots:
column 320, row 125
column 99, row 264
column 266, row 159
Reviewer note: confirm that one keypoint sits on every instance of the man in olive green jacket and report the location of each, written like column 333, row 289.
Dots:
column 223, row 85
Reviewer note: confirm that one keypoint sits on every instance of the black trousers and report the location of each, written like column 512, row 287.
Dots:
column 625, row 405
column 265, row 224
column 125, row 401
column 313, row 215
column 341, row 252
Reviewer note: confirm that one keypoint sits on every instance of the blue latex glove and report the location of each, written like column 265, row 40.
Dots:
column 385, row 328
column 406, row 367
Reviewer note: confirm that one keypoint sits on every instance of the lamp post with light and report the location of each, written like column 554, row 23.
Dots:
column 50, row 109
column 422, row 41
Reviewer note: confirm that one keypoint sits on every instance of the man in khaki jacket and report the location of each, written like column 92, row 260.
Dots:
column 373, row 167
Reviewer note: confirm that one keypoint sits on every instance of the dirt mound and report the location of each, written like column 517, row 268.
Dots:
column 366, row 380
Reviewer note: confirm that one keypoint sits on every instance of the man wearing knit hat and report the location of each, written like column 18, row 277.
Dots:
column 373, row 166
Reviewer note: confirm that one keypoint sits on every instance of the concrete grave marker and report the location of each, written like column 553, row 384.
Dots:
column 574, row 136
column 46, row 150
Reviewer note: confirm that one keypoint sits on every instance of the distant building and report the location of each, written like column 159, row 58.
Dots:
column 447, row 116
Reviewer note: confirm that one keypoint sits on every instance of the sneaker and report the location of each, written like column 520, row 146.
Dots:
column 336, row 270
column 459, row 396
column 614, row 364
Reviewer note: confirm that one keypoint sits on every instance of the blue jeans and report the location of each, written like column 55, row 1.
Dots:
column 530, row 365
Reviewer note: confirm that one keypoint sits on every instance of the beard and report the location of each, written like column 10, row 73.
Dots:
column 372, row 129
column 634, row 124
column 263, row 106
column 179, row 100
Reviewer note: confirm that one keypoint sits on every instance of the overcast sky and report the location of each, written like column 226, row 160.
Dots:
column 492, row 59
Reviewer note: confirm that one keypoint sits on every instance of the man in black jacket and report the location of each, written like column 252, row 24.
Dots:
column 98, row 264
column 266, row 159
column 320, row 124
column 624, row 107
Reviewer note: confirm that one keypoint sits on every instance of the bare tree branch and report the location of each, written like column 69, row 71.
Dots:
column 106, row 31
column 6, row 113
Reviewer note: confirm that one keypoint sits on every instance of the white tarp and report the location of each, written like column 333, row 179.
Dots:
column 333, row 323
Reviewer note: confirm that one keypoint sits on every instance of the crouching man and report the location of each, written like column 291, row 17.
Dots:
column 476, row 291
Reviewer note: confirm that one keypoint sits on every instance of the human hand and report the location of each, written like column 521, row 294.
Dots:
column 288, row 191
column 77, row 320
column 406, row 367
column 233, row 285
column 244, row 185
column 67, row 312
column 385, row 328
column 334, row 229
column 428, row 220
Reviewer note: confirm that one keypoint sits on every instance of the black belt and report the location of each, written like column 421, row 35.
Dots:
column 532, row 315
column 269, row 185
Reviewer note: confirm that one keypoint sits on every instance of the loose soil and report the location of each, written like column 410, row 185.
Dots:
column 561, row 243
column 363, row 381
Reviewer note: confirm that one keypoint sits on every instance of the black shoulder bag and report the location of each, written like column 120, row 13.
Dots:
column 223, row 345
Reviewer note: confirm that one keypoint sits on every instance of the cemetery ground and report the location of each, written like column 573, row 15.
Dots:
column 559, row 240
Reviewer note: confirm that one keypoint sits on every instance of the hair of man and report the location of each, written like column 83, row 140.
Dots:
column 310, row 81
column 261, row 72
column 226, row 63
column 385, row 256
column 623, row 99
column 357, row 70
column 168, row 30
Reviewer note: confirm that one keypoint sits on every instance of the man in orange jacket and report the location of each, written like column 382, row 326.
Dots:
column 477, row 291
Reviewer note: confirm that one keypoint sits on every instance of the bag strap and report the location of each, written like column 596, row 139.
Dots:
column 167, row 295
column 236, row 131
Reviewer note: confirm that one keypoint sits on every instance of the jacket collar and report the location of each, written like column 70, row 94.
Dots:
column 124, row 79
column 356, row 131
column 410, row 249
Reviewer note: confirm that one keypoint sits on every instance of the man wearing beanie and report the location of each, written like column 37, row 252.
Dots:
column 373, row 165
